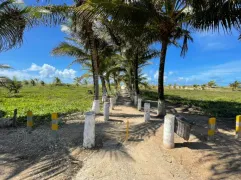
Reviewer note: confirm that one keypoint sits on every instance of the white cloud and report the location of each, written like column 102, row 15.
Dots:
column 19, row 1
column 156, row 75
column 43, row 72
column 47, row 71
column 180, row 78
column 215, row 46
column 66, row 73
column 65, row 29
column 223, row 73
column 170, row 73
column 147, row 77
column 17, row 73
column 34, row 67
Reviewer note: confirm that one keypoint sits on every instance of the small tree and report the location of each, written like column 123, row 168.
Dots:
column 25, row 82
column 42, row 83
column 234, row 85
column 13, row 86
column 212, row 84
column 195, row 86
column 36, row 80
column 175, row 86
column 57, row 81
column 32, row 82
column 203, row 86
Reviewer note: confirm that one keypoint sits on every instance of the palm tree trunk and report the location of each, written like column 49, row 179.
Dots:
column 137, row 91
column 161, row 111
column 104, row 88
column 95, row 61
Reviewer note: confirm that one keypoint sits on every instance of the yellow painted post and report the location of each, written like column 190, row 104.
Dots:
column 29, row 120
column 238, row 126
column 127, row 130
column 55, row 125
column 211, row 128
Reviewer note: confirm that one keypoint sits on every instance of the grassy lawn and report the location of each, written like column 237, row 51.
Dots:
column 213, row 103
column 43, row 101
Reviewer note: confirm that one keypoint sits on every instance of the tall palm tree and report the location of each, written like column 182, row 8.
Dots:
column 15, row 18
column 165, row 21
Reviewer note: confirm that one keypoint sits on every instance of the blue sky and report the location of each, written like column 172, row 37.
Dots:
column 212, row 56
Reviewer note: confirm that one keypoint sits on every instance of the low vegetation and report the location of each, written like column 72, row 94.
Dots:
column 219, row 103
column 44, row 100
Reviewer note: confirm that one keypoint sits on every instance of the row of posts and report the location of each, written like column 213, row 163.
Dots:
column 169, row 123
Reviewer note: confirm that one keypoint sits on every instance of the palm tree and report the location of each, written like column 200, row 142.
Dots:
column 165, row 21
column 57, row 81
column 211, row 84
column 234, row 85
column 15, row 18
column 42, row 83
column 32, row 81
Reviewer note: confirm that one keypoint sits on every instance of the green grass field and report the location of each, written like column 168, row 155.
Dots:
column 43, row 101
column 217, row 103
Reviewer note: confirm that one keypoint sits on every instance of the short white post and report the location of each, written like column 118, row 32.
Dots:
column 139, row 104
column 89, row 130
column 115, row 100
column 106, row 111
column 112, row 103
column 96, row 106
column 168, row 135
column 147, row 116
column 135, row 100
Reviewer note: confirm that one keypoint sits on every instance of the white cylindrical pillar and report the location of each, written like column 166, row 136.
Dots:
column 106, row 111
column 135, row 100
column 139, row 104
column 168, row 135
column 147, row 116
column 161, row 108
column 112, row 103
column 96, row 106
column 89, row 130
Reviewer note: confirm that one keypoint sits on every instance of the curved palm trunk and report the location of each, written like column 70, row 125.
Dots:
column 94, row 57
column 137, row 91
column 161, row 110
column 104, row 88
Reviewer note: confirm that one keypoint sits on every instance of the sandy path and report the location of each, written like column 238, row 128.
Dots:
column 140, row 158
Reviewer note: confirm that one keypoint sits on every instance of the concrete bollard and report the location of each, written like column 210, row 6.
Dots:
column 112, row 103
column 29, row 120
column 147, row 116
column 161, row 108
column 96, row 106
column 168, row 135
column 238, row 127
column 106, row 111
column 135, row 100
column 89, row 130
column 139, row 104
column 211, row 128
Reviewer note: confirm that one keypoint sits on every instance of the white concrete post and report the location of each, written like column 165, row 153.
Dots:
column 168, row 135
column 147, row 116
column 106, row 111
column 89, row 130
column 135, row 100
column 112, row 103
column 161, row 108
column 139, row 104
column 96, row 106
